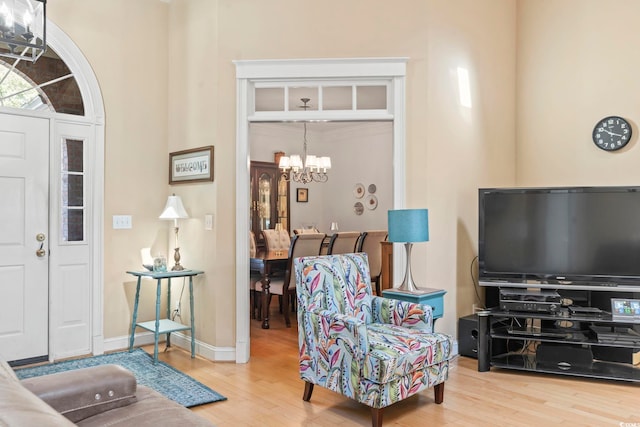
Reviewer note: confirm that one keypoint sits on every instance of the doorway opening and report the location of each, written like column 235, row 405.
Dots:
column 291, row 75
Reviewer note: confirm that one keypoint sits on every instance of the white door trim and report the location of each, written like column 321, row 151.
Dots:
column 248, row 73
column 95, row 116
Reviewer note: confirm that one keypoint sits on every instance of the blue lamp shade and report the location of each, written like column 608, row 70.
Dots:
column 408, row 225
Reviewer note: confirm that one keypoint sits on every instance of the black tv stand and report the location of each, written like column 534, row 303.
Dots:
column 588, row 343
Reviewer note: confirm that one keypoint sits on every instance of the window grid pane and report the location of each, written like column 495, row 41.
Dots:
column 73, row 225
column 371, row 97
column 72, row 191
column 54, row 86
column 338, row 96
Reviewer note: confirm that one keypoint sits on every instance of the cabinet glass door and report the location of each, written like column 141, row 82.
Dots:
column 269, row 199
column 264, row 201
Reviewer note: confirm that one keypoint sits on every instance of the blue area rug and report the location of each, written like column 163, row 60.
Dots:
column 161, row 377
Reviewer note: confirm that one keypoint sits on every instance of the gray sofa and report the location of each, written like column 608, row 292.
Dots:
column 97, row 396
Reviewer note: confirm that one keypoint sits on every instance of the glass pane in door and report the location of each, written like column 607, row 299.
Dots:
column 72, row 176
column 264, row 201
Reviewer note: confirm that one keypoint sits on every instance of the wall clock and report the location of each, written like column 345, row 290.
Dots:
column 611, row 133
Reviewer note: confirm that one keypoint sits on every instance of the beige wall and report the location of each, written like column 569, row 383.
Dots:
column 583, row 66
column 125, row 43
column 180, row 94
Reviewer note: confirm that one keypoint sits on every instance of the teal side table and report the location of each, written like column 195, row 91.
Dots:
column 430, row 296
column 163, row 326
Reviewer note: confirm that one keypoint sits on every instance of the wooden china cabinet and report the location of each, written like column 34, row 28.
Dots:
column 269, row 199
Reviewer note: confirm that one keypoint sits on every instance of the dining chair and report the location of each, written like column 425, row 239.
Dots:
column 343, row 242
column 305, row 230
column 377, row 351
column 307, row 244
column 276, row 240
column 369, row 243
column 255, row 287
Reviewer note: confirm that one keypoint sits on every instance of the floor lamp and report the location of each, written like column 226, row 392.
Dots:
column 408, row 226
column 175, row 210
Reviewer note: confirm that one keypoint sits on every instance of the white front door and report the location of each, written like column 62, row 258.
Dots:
column 24, row 237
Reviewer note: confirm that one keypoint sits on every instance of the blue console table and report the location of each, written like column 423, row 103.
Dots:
column 163, row 326
column 429, row 296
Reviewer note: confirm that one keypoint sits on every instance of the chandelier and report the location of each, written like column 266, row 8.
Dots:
column 314, row 168
column 23, row 25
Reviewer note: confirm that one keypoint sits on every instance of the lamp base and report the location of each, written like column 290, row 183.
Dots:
column 408, row 285
column 176, row 258
column 414, row 291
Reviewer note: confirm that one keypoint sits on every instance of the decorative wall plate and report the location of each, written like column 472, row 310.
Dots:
column 371, row 202
column 358, row 191
column 358, row 208
column 372, row 188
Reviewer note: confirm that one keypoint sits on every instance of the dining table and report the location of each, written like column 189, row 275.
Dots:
column 268, row 263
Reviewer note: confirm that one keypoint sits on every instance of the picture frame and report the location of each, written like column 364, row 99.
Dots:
column 189, row 166
column 302, row 195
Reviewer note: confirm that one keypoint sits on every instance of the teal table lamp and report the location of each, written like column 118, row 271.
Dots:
column 408, row 226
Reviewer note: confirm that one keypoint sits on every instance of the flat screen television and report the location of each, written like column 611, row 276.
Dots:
column 560, row 237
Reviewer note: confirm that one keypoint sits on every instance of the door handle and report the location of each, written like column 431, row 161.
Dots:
column 41, row 252
column 40, row 237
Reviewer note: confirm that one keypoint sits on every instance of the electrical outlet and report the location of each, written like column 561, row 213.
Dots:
column 121, row 222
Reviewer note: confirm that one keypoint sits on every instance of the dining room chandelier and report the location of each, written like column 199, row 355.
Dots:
column 313, row 168
column 23, row 25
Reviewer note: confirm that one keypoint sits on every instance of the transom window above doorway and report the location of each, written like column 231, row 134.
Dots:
column 338, row 98
column 47, row 84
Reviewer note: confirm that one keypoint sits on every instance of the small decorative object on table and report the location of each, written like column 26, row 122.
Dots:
column 159, row 264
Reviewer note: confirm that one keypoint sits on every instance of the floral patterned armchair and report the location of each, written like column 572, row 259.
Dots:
column 375, row 350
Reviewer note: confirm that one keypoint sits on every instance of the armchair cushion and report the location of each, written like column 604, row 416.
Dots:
column 402, row 313
column 396, row 351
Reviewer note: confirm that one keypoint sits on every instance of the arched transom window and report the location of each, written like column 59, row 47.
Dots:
column 47, row 84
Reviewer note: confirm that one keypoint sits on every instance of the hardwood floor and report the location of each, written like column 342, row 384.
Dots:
column 268, row 392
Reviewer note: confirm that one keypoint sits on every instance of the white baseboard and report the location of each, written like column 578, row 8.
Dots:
column 204, row 350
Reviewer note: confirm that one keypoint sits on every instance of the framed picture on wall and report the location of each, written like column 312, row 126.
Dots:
column 187, row 166
column 302, row 195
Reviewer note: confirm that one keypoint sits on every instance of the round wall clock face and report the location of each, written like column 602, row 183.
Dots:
column 611, row 133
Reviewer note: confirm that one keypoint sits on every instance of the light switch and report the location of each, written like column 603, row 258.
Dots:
column 208, row 222
column 121, row 222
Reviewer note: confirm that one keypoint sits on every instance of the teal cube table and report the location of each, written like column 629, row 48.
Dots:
column 428, row 296
column 163, row 326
